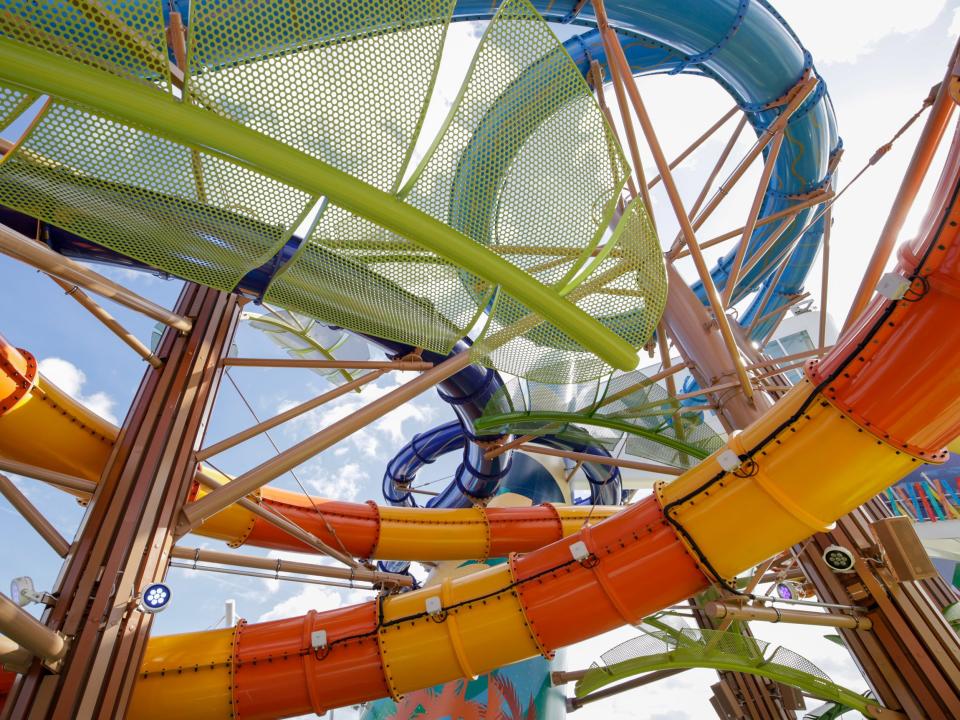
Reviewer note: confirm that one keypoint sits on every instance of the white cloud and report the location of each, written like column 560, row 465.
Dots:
column 367, row 441
column 842, row 32
column 71, row 379
column 313, row 597
column 342, row 483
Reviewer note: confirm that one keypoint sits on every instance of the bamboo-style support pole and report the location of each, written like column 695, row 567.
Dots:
column 787, row 358
column 195, row 513
column 799, row 94
column 776, row 615
column 645, row 679
column 779, row 371
column 13, row 657
column 619, row 61
column 733, row 273
column 767, row 245
column 127, row 337
column 824, row 280
column 27, row 632
column 513, row 444
column 677, row 246
column 296, row 411
column 279, row 565
column 412, row 365
column 768, row 294
column 696, row 143
column 916, row 171
column 28, row 251
column 60, row 480
column 788, row 212
column 620, row 80
column 782, row 309
column 601, row 459
column 33, row 516
column 597, row 71
column 278, row 521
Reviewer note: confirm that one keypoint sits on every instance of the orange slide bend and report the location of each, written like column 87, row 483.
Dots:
column 40, row 425
column 878, row 405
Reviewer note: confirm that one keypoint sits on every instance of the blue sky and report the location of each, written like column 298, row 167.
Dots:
column 879, row 59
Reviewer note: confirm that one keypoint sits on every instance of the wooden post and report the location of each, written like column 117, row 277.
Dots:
column 126, row 535
column 911, row 656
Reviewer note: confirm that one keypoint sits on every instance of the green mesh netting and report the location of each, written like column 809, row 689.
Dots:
column 525, row 165
column 303, row 338
column 12, row 104
column 626, row 408
column 343, row 81
column 136, row 193
column 123, row 37
column 672, row 648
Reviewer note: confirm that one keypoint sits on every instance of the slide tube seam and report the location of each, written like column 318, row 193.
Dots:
column 883, row 317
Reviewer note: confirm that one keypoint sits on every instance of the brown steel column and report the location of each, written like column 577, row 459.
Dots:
column 126, row 535
column 911, row 657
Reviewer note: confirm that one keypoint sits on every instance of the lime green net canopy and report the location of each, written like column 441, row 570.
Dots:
column 524, row 167
column 675, row 648
column 627, row 408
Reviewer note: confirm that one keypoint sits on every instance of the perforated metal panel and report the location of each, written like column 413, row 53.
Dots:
column 525, row 165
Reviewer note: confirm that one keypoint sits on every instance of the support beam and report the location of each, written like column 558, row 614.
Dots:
column 799, row 93
column 21, row 627
column 696, row 143
column 405, row 365
column 601, row 459
column 33, row 516
column 620, row 80
column 64, row 482
column 501, row 449
column 787, row 358
column 765, row 175
column 126, row 534
column 195, row 513
column 788, row 212
column 677, row 246
column 127, row 337
column 797, row 617
column 619, row 61
column 825, row 280
column 909, row 187
column 301, row 568
column 283, row 417
column 646, row 679
column 28, row 251
column 282, row 523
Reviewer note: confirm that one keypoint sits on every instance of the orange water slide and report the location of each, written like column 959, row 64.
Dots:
column 886, row 399
column 41, row 425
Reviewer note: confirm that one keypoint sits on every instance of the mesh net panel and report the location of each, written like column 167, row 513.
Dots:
column 303, row 338
column 138, row 194
column 10, row 106
column 124, row 37
column 524, row 165
column 724, row 650
column 343, row 81
column 625, row 407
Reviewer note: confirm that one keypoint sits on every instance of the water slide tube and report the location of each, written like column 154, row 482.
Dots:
column 834, row 441
column 43, row 426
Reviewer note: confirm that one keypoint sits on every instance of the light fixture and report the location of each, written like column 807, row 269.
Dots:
column 839, row 559
column 154, row 598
